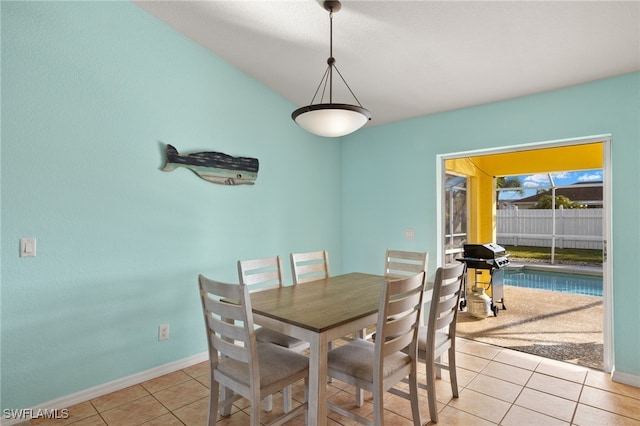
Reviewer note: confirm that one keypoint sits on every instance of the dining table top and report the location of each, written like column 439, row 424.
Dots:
column 322, row 304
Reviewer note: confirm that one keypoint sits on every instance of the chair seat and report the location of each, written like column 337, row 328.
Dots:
column 357, row 359
column 267, row 335
column 275, row 363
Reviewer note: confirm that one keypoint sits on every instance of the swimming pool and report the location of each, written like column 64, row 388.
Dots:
column 590, row 285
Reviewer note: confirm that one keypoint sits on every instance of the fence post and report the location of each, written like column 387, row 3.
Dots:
column 553, row 223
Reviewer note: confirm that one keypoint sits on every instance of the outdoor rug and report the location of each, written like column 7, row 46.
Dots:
column 561, row 326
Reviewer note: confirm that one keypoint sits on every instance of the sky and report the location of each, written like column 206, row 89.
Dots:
column 531, row 183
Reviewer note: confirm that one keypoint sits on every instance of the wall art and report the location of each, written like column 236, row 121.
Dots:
column 214, row 167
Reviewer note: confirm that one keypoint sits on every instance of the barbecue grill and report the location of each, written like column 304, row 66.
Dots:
column 480, row 258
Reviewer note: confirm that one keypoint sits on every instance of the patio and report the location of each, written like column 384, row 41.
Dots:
column 560, row 326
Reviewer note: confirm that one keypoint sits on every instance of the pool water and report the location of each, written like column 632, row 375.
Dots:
column 590, row 285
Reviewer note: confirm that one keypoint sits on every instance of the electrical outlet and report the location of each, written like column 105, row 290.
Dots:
column 163, row 332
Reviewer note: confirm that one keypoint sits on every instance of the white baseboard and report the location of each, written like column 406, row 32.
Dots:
column 107, row 388
column 627, row 379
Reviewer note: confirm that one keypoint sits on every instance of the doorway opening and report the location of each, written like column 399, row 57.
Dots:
column 472, row 176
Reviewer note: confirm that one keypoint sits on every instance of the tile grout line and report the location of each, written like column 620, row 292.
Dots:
column 608, row 410
column 524, row 386
column 169, row 410
column 98, row 412
column 191, row 377
column 575, row 410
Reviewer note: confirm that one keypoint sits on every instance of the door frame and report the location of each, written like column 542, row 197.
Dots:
column 607, row 267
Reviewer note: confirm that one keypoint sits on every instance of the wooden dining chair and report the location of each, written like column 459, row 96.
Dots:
column 262, row 274
column 379, row 366
column 439, row 336
column 309, row 266
column 239, row 363
column 401, row 264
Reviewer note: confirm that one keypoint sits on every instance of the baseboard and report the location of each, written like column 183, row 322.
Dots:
column 107, row 388
column 627, row 379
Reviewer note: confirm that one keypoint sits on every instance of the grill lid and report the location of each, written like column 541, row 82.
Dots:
column 484, row 251
column 485, row 256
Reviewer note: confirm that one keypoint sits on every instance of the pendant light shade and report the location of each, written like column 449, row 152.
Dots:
column 331, row 119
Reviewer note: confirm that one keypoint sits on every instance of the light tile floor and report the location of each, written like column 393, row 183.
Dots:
column 497, row 386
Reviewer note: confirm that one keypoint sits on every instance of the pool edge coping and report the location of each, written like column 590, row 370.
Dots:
column 563, row 268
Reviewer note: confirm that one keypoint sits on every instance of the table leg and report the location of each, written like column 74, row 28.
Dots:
column 317, row 414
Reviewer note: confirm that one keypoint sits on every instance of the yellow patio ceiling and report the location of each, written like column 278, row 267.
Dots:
column 546, row 160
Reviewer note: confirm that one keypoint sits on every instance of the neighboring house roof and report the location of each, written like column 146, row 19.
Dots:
column 580, row 192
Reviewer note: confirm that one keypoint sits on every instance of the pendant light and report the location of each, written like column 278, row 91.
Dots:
column 331, row 119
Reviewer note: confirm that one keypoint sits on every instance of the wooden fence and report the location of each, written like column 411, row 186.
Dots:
column 574, row 228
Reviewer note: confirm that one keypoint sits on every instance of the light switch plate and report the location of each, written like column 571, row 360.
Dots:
column 27, row 247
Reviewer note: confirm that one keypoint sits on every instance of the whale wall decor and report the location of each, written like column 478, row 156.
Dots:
column 214, row 167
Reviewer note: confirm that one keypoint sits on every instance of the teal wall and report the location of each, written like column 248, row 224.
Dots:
column 90, row 93
column 389, row 179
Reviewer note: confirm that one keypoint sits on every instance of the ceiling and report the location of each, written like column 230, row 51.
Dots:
column 406, row 59
column 588, row 156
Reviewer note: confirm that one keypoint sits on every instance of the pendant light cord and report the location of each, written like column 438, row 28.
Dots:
column 328, row 74
column 331, row 61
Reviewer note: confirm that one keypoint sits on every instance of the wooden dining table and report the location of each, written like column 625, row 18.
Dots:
column 319, row 312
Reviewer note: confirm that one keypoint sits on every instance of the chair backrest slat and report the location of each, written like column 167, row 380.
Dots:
column 402, row 331
column 399, row 306
column 397, row 344
column 228, row 349
column 227, row 310
column 449, row 287
column 230, row 330
column 313, row 267
column 263, row 277
column 213, row 287
column 399, row 263
column 446, row 305
column 444, row 320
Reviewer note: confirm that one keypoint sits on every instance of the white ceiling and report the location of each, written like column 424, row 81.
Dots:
column 406, row 59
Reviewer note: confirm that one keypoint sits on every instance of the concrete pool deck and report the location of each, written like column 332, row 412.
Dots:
column 561, row 326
